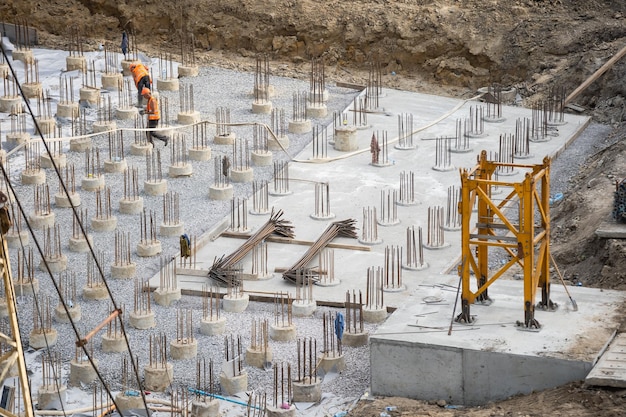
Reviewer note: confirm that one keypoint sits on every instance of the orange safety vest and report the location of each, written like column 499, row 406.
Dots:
column 139, row 72
column 152, row 109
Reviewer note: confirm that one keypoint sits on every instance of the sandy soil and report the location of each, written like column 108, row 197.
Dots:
column 440, row 47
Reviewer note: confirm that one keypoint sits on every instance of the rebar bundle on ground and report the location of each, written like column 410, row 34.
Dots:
column 224, row 269
column 344, row 228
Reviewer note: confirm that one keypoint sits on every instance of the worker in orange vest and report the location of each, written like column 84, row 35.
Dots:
column 154, row 115
column 141, row 75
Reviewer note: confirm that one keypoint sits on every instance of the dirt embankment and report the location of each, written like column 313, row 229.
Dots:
column 460, row 45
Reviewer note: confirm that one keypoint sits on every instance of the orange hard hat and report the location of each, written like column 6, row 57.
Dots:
column 145, row 91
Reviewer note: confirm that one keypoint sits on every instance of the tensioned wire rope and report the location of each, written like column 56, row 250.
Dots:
column 91, row 250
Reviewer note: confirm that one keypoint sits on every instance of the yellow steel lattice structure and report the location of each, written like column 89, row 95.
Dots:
column 13, row 356
column 524, row 234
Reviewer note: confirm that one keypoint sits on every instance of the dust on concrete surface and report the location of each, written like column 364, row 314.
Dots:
column 439, row 47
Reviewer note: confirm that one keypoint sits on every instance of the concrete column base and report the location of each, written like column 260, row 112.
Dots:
column 124, row 271
column 128, row 206
column 299, row 126
column 171, row 229
column 200, row 154
column 290, row 411
column 345, row 139
column 113, row 343
column 126, row 63
column 169, row 84
column 221, row 193
column 228, row 139
column 92, row 183
column 303, row 308
column 188, row 118
column 374, row 315
column 62, row 201
column 97, row 292
column 16, row 240
column 55, row 264
column 90, row 95
column 128, row 402
column 82, row 373
column 112, row 81
column 262, row 159
column 37, row 340
column 32, row 90
column 158, row 378
column 104, row 126
column 316, row 111
column 270, row 90
column 26, row 288
column 80, row 144
column 165, row 297
column 80, row 244
column 140, row 150
column 41, row 221
column 25, row 55
column 212, row 327
column 115, row 166
column 245, row 175
column 75, row 313
column 307, row 391
column 11, row 104
column 188, row 70
column 46, row 126
column 104, row 225
column 142, row 321
column 48, row 395
column 206, row 407
column 76, row 63
column 283, row 333
column 17, row 138
column 235, row 304
column 184, row 349
column 146, row 250
column 231, row 385
column 46, row 162
column 68, row 110
column 155, row 187
column 126, row 113
column 264, row 107
column 316, row 97
column 355, row 339
column 184, row 170
column 257, row 358
column 33, row 177
column 332, row 363
column 283, row 143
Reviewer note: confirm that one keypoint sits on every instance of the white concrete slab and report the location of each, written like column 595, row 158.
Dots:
column 491, row 359
column 355, row 184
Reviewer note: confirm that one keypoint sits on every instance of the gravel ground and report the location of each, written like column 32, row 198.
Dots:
column 213, row 88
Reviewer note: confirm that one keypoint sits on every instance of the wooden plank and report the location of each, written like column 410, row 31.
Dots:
column 350, row 85
column 595, row 76
column 610, row 370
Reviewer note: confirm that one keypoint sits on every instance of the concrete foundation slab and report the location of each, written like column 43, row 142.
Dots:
column 412, row 355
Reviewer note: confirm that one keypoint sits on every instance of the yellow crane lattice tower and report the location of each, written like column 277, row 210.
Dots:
column 519, row 223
